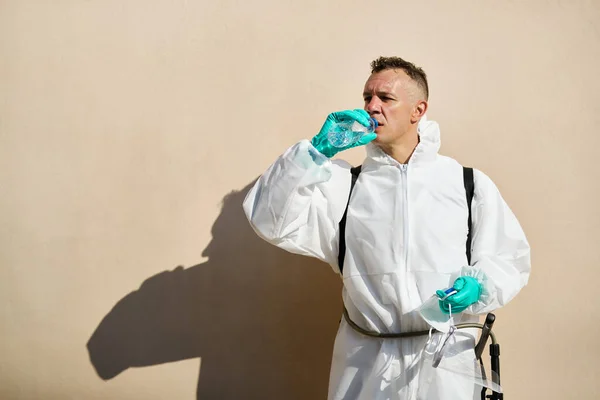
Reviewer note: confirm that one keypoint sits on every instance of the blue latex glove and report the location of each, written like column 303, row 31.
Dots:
column 320, row 141
column 468, row 291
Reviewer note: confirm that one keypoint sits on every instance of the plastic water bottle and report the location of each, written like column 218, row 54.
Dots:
column 344, row 134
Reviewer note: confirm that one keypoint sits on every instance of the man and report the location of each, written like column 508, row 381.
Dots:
column 406, row 231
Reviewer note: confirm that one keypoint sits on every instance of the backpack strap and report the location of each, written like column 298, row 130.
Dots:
column 342, row 247
column 469, row 190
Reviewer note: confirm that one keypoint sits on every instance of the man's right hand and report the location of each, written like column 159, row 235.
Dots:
column 321, row 142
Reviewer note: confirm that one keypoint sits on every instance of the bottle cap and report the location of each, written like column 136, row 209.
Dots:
column 374, row 123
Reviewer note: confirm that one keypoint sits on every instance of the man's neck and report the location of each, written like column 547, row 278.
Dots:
column 402, row 150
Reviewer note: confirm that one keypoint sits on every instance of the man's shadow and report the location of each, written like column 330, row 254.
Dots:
column 262, row 320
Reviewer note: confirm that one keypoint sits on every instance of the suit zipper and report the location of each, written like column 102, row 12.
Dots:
column 404, row 170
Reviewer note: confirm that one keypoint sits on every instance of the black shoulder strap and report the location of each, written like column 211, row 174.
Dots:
column 469, row 189
column 342, row 247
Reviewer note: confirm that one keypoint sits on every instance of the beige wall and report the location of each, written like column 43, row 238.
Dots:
column 125, row 124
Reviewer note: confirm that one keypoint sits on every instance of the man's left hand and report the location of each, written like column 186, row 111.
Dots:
column 468, row 291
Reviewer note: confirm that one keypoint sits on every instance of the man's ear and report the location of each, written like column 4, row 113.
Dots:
column 418, row 111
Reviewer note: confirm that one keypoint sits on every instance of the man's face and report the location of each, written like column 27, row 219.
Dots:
column 390, row 97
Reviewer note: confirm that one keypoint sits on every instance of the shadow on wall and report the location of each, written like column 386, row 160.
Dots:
column 262, row 320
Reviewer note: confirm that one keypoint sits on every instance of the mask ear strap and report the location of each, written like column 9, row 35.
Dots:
column 429, row 343
column 439, row 353
column 430, row 337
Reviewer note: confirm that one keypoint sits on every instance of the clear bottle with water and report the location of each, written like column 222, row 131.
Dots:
column 344, row 134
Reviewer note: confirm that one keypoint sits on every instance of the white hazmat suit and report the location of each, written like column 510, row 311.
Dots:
column 406, row 233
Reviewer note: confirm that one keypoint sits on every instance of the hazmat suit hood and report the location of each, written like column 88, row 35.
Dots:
column 427, row 149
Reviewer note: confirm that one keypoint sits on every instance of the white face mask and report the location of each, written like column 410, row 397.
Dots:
column 432, row 314
column 434, row 352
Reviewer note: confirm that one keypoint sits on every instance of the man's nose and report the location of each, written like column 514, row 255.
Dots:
column 373, row 106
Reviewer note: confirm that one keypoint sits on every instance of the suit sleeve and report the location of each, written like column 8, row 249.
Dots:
column 500, row 251
column 298, row 202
